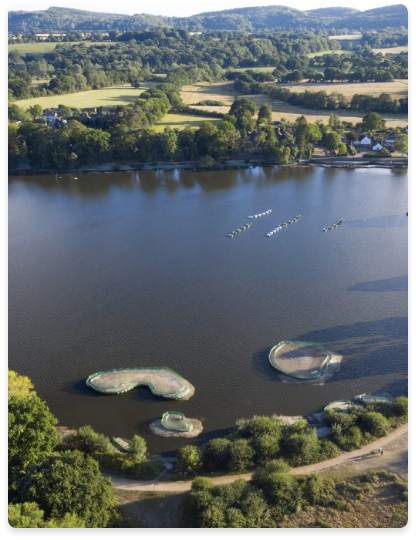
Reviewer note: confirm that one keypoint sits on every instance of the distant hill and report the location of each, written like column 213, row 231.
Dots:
column 334, row 12
column 55, row 19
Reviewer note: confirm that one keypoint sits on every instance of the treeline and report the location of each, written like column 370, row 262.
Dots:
column 363, row 65
column 321, row 100
column 256, row 442
column 390, row 37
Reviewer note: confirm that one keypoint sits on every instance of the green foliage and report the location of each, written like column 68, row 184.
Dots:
column 32, row 433
column 373, row 122
column 216, row 454
column 401, row 144
column 28, row 515
column 138, row 447
column 70, row 483
column 87, row 440
column 302, row 448
column 375, row 423
column 202, row 483
column 189, row 458
column 241, row 455
column 19, row 385
column 400, row 406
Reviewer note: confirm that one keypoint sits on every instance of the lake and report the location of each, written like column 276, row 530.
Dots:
column 136, row 269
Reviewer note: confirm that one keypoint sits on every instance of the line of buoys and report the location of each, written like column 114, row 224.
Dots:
column 283, row 226
column 240, row 229
column 334, row 226
column 262, row 214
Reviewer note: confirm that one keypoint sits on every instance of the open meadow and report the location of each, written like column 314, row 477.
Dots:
column 103, row 97
column 397, row 88
column 225, row 92
column 182, row 121
column 43, row 47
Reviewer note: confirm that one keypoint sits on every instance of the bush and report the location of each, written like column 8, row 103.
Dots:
column 201, row 483
column 302, row 448
column 216, row 454
column 241, row 455
column 400, row 406
column 375, row 423
column 348, row 439
column 189, row 458
column 87, row 440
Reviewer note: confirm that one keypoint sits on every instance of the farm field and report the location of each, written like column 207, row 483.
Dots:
column 260, row 69
column 397, row 88
column 346, row 37
column 328, row 51
column 225, row 92
column 182, row 121
column 44, row 47
column 222, row 91
column 391, row 50
column 103, row 97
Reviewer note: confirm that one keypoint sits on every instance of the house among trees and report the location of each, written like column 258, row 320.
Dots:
column 377, row 147
column 49, row 115
column 364, row 140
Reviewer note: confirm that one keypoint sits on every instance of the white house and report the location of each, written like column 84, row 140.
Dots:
column 363, row 141
column 378, row 147
column 49, row 115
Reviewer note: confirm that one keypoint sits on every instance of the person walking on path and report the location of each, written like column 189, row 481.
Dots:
column 380, row 451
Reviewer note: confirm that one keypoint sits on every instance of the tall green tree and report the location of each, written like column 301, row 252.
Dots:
column 70, row 483
column 32, row 433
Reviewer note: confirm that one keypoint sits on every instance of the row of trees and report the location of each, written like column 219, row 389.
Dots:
column 321, row 100
column 256, row 442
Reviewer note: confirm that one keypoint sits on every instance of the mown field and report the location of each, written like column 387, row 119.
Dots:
column 397, row 88
column 182, row 121
column 44, row 47
column 104, row 97
column 225, row 92
column 391, row 50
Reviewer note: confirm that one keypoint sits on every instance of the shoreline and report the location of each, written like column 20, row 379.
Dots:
column 113, row 167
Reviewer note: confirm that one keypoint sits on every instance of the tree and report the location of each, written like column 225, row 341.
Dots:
column 28, row 515
column 70, row 483
column 19, row 385
column 189, row 458
column 35, row 111
column 32, row 433
column 332, row 141
column 216, row 454
column 138, row 447
column 265, row 114
column 241, row 455
column 373, row 122
column 401, row 143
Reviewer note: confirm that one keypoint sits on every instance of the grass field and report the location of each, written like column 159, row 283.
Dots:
column 182, row 121
column 391, row 50
column 44, row 47
column 346, row 37
column 397, row 88
column 222, row 91
column 104, row 97
column 261, row 69
column 226, row 93
column 328, row 51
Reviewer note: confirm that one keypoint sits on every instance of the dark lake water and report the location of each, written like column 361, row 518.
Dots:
column 135, row 269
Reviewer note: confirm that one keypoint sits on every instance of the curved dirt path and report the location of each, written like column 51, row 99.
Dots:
column 185, row 485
